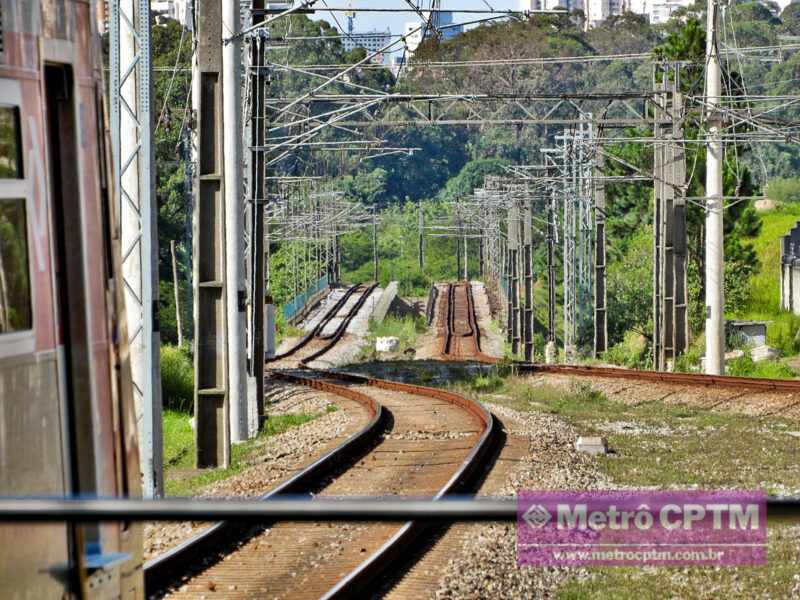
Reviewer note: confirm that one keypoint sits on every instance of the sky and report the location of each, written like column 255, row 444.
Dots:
column 396, row 21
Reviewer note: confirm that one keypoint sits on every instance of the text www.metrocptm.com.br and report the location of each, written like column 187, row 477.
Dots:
column 638, row 555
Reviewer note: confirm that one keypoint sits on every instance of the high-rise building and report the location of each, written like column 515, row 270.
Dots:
column 371, row 41
column 661, row 10
column 180, row 10
column 441, row 21
column 530, row 5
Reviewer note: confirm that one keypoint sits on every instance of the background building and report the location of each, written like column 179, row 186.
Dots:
column 442, row 21
column 371, row 41
column 180, row 10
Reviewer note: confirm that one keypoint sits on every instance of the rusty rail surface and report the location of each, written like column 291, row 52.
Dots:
column 342, row 328
column 690, row 379
column 166, row 569
column 329, row 315
column 461, row 322
column 356, row 583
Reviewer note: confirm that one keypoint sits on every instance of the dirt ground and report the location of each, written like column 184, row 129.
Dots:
column 746, row 402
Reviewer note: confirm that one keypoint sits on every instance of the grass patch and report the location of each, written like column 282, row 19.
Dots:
column 770, row 369
column 662, row 446
column 673, row 445
column 764, row 301
column 177, row 378
column 182, row 479
column 407, row 329
column 178, row 440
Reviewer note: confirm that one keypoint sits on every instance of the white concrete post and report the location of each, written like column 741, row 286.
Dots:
column 715, row 302
column 234, row 253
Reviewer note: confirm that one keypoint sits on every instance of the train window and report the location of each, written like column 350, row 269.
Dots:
column 10, row 143
column 15, row 289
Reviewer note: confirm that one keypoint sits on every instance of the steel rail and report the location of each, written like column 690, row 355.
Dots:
column 355, row 583
column 473, row 333
column 329, row 315
column 692, row 379
column 162, row 571
column 166, row 569
column 351, row 313
column 340, row 331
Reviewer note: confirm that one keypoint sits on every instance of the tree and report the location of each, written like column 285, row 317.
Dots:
column 367, row 188
column 472, row 176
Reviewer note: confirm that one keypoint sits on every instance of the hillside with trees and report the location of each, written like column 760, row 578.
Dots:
column 453, row 160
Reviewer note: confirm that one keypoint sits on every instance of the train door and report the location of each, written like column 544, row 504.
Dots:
column 70, row 279
column 35, row 559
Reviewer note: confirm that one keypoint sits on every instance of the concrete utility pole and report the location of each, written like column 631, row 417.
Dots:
column 669, row 310
column 212, row 429
column 177, row 294
column 551, row 268
column 259, row 311
column 513, row 262
column 234, row 254
column 527, row 259
column 715, row 302
column 374, row 244
column 134, row 174
column 466, row 259
column 421, row 218
column 600, row 311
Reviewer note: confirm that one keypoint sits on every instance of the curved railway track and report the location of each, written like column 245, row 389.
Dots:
column 421, row 442
column 316, row 342
column 461, row 339
column 691, row 379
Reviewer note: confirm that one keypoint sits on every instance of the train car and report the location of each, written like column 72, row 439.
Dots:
column 66, row 410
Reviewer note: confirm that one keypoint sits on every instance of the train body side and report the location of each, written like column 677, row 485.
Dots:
column 66, row 414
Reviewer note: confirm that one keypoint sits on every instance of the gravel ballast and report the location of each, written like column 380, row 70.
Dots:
column 275, row 459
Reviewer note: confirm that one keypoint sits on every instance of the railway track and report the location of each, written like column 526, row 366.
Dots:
column 317, row 342
column 461, row 338
column 420, row 442
column 690, row 379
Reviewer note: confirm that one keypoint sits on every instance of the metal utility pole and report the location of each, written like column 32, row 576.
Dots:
column 527, row 260
column 421, row 219
column 177, row 295
column 506, row 254
column 134, row 173
column 600, row 311
column 481, row 265
column 212, row 429
column 714, row 267
column 513, row 261
column 466, row 261
column 258, row 197
column 551, row 268
column 233, row 190
column 374, row 244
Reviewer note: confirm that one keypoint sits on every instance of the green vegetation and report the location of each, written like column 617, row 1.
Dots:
column 771, row 369
column 664, row 446
column 182, row 479
column 407, row 329
column 784, row 190
column 451, row 161
column 177, row 379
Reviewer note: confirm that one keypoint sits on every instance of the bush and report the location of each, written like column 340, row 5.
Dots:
column 177, row 379
column 771, row 369
column 632, row 352
column 784, row 190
